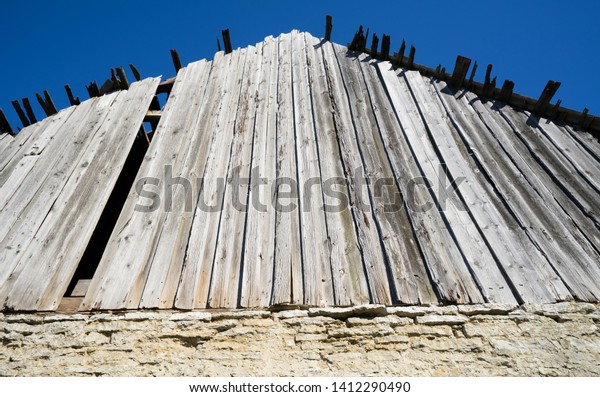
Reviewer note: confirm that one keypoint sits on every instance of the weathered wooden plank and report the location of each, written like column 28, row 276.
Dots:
column 11, row 181
column 585, row 139
column 579, row 158
column 348, row 277
column 468, row 192
column 358, row 188
column 31, row 202
column 532, row 270
column 555, row 164
column 406, row 268
column 81, row 288
column 207, row 222
column 316, row 251
column 410, row 270
column 24, row 213
column 543, row 220
column 196, row 274
column 530, row 283
column 198, row 266
column 541, row 181
column 48, row 173
column 32, row 143
column 19, row 141
column 259, row 236
column 176, row 220
column 445, row 261
column 224, row 289
column 125, row 259
column 50, row 261
column 287, row 272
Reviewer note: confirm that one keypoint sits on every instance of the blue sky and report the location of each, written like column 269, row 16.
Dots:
column 45, row 45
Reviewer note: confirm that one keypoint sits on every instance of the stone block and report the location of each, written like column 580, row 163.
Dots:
column 435, row 319
column 191, row 316
column 487, row 308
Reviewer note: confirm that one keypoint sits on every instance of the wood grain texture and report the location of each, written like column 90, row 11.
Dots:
column 298, row 173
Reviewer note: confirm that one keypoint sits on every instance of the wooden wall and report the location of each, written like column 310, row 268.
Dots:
column 519, row 224
column 55, row 179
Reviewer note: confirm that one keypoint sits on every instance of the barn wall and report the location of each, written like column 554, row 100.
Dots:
column 558, row 339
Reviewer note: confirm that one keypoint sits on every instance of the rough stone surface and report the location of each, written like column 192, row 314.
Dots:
column 483, row 340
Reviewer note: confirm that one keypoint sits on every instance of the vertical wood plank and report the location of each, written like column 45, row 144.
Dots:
column 287, row 273
column 316, row 252
column 349, row 279
column 259, row 247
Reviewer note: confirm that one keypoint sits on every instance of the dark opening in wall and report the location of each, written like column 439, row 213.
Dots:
column 93, row 254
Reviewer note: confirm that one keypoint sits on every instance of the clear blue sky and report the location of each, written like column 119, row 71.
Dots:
column 48, row 44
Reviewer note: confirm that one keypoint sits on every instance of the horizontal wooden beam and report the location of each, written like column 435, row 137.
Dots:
column 166, row 86
column 570, row 116
column 153, row 116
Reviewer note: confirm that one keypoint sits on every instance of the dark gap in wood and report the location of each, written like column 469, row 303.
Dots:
column 166, row 86
column 176, row 60
column 328, row 27
column 155, row 104
column 135, row 72
column 20, row 113
column 226, row 41
column 29, row 110
column 72, row 100
column 99, row 240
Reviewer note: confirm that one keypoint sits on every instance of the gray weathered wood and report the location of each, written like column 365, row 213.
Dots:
column 259, row 247
column 287, row 272
column 348, row 277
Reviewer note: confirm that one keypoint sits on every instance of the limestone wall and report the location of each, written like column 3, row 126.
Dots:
column 560, row 339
